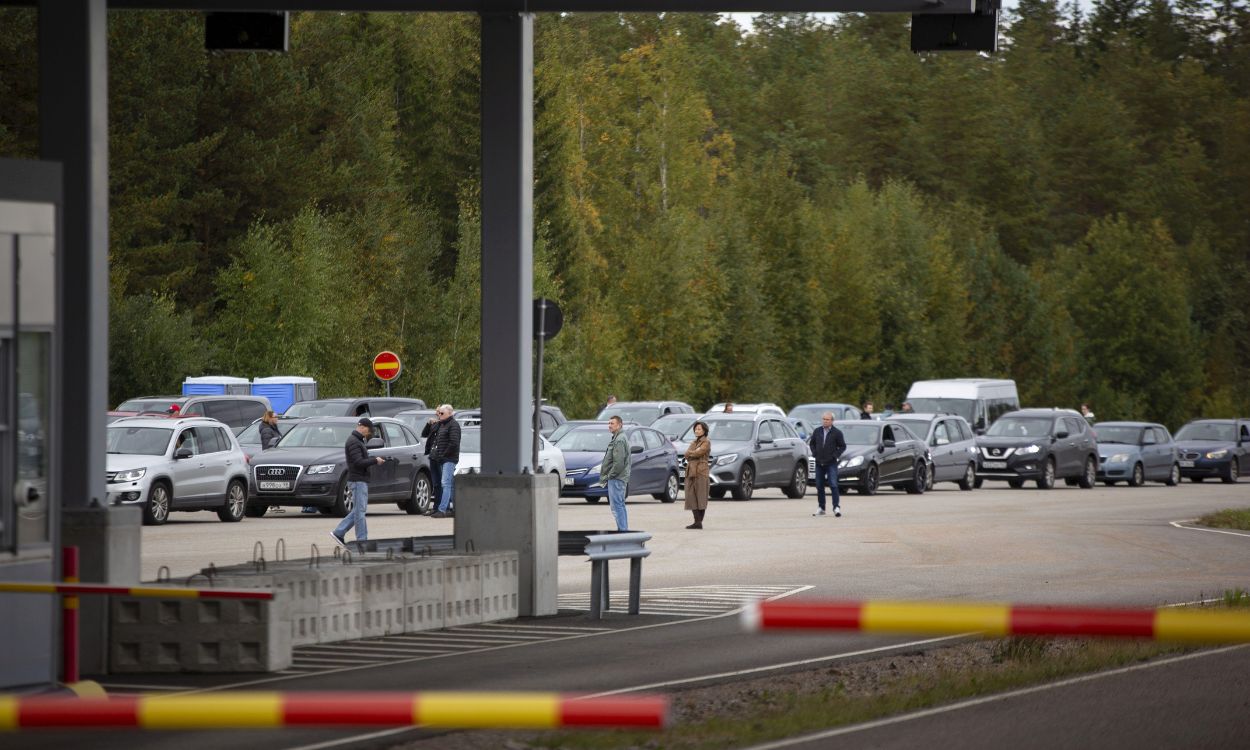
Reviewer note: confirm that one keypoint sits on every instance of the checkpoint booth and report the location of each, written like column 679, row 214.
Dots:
column 285, row 390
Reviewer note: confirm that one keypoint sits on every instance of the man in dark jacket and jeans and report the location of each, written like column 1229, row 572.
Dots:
column 358, row 464
column 827, row 445
column 443, row 444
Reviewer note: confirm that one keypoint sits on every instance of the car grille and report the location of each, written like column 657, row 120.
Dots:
column 1191, row 455
column 997, row 453
column 576, row 472
column 276, row 473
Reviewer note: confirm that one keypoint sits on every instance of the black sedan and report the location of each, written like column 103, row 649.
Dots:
column 880, row 453
column 309, row 468
column 1215, row 448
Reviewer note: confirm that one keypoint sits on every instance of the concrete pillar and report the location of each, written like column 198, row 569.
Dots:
column 515, row 513
column 108, row 547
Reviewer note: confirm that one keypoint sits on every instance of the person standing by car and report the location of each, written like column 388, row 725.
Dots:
column 614, row 471
column 269, row 434
column 1089, row 415
column 866, row 412
column 445, row 449
column 697, row 474
column 827, row 445
column 358, row 463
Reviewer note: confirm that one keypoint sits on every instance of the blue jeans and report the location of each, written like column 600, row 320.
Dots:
column 356, row 518
column 446, row 480
column 616, row 498
column 827, row 474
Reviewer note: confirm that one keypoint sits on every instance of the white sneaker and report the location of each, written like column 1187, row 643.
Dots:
column 819, row 513
column 339, row 541
column 837, row 512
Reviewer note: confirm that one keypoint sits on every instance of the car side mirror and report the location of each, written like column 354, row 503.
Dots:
column 1060, row 435
column 888, row 444
column 375, row 443
column 182, row 453
column 979, row 430
column 635, row 449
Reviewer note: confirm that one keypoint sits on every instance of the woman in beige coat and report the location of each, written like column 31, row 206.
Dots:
column 697, row 474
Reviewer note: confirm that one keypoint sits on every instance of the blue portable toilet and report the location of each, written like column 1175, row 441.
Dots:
column 284, row 390
column 216, row 385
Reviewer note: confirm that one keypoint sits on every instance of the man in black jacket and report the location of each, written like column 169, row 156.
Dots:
column 358, row 464
column 443, row 445
column 827, row 445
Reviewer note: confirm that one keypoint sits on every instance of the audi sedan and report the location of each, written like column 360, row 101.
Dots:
column 653, row 462
column 309, row 467
column 880, row 453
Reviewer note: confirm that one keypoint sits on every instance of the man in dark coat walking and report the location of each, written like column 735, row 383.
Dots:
column 827, row 445
column 358, row 464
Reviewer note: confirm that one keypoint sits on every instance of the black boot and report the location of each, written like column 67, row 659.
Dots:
column 696, row 524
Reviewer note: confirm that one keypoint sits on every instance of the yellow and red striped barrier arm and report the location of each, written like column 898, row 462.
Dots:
column 156, row 592
column 996, row 619
column 279, row 710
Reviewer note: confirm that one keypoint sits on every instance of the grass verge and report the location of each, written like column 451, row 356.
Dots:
column 1231, row 518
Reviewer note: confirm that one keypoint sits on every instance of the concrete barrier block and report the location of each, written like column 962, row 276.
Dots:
column 341, row 602
column 384, row 583
column 500, row 585
column 462, row 589
column 423, row 593
column 199, row 635
column 300, row 581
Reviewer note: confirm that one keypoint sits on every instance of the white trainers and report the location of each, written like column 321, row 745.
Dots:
column 837, row 512
column 819, row 513
column 339, row 541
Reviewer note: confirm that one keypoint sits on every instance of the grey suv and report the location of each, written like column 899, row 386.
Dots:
column 952, row 446
column 751, row 450
column 176, row 464
column 1039, row 444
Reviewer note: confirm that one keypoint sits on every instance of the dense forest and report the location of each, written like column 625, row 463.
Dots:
column 800, row 211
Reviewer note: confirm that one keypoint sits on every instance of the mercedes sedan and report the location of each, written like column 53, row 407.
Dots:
column 880, row 453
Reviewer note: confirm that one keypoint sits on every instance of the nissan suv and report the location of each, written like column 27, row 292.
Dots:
column 1041, row 445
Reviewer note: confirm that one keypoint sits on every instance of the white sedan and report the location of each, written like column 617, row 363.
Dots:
column 550, row 458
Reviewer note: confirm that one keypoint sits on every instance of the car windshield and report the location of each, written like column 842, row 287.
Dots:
column 470, row 441
column 1213, row 431
column 1118, row 434
column 637, row 414
column 861, row 434
column 251, row 434
column 585, row 439
column 964, row 407
column 1024, row 427
column 147, row 404
column 565, row 429
column 317, row 409
column 415, row 420
column 917, row 426
column 322, row 435
column 139, row 441
column 812, row 414
column 673, row 425
column 729, row 430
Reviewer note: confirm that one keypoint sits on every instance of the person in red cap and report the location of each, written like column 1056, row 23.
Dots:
column 174, row 410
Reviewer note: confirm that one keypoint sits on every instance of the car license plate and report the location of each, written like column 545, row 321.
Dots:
column 681, row 473
column 1187, row 464
column 568, row 481
column 994, row 465
column 275, row 485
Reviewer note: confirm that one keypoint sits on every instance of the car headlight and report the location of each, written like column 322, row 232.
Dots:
column 130, row 475
column 1028, row 450
column 728, row 458
column 1221, row 453
column 594, row 469
column 851, row 463
column 1118, row 458
column 464, row 470
column 321, row 469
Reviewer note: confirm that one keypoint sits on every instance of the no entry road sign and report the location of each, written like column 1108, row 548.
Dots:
column 386, row 366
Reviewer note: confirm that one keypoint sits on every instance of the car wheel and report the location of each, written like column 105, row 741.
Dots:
column 236, row 502
column 871, row 481
column 930, row 472
column 1015, row 484
column 978, row 483
column 919, row 479
column 156, row 510
column 1174, row 477
column 1139, row 476
column 1090, row 476
column 671, row 488
column 798, row 482
column 255, row 510
column 1047, row 480
column 717, row 492
column 746, row 483
column 1233, row 472
column 593, row 500
column 342, row 499
column 422, row 495
column 970, row 479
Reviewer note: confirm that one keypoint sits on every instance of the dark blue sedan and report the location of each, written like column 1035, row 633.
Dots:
column 653, row 462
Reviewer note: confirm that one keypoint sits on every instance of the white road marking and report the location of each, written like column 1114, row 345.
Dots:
column 158, row 688
column 1180, row 525
column 981, row 701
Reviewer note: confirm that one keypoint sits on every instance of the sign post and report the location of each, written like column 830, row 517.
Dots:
column 387, row 367
column 548, row 320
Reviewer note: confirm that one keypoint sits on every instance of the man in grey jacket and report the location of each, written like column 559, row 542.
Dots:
column 615, row 471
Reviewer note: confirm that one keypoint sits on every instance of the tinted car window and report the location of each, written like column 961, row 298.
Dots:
column 1033, row 427
column 653, row 438
column 965, row 432
column 392, row 434
column 249, row 411
column 788, row 429
column 210, row 440
column 546, row 421
column 1074, row 426
column 636, row 440
column 223, row 411
column 194, row 410
column 190, row 440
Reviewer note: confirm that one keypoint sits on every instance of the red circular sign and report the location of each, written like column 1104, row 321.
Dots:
column 386, row 366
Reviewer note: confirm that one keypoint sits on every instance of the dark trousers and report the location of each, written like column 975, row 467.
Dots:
column 827, row 475
column 436, row 482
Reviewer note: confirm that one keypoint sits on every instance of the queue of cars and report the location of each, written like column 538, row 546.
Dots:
column 198, row 452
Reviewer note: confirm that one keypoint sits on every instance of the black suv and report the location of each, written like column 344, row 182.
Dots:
column 1039, row 444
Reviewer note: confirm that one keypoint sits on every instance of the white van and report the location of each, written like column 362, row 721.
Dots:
column 978, row 400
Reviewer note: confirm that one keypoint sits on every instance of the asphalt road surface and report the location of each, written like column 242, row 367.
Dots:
column 1103, row 546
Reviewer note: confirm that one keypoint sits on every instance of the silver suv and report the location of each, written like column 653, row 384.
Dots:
column 751, row 450
column 176, row 464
